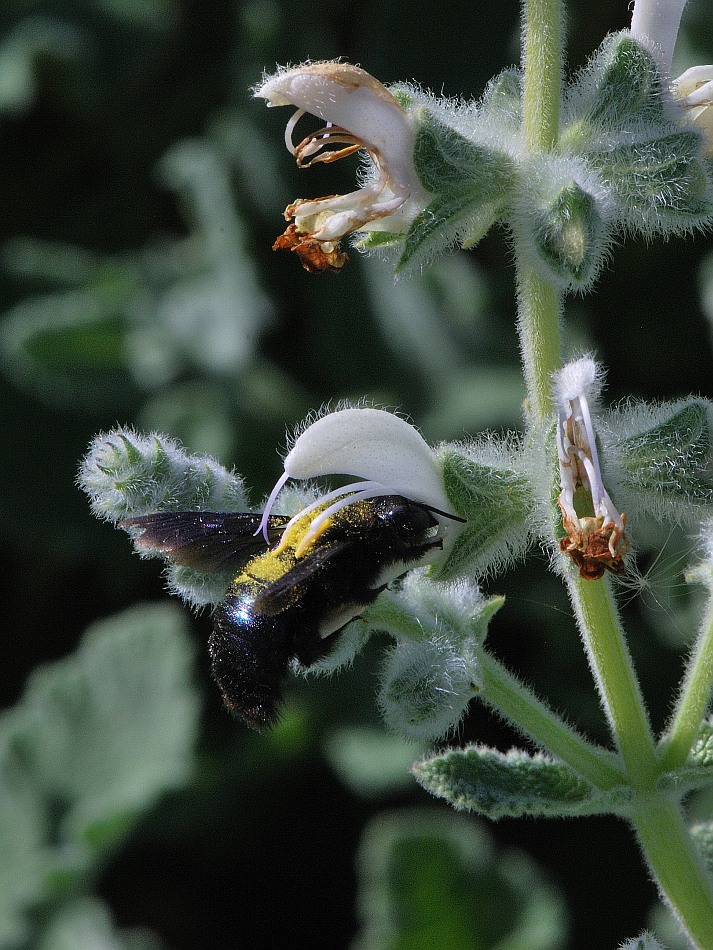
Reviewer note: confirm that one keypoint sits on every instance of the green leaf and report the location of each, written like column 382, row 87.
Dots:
column 502, row 100
column 501, row 785
column 702, row 751
column 622, row 86
column 452, row 216
column 471, row 184
column 113, row 726
column 86, row 924
column 496, row 501
column 660, row 183
column 698, row 771
column 434, row 881
column 126, row 474
column 446, row 161
column 570, row 235
column 369, row 761
column 375, row 240
column 669, row 462
column 703, row 836
column 25, row 855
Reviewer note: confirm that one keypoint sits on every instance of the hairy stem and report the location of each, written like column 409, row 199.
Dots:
column 676, row 866
column 542, row 56
column 508, row 696
column 539, row 305
column 694, row 698
column 613, row 671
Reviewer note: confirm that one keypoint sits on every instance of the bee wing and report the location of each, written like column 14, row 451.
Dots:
column 280, row 593
column 203, row 540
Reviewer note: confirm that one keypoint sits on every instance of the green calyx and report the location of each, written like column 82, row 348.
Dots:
column 667, row 465
column 470, row 183
column 619, row 118
column 497, row 501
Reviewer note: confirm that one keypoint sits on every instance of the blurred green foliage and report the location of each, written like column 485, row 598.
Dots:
column 142, row 189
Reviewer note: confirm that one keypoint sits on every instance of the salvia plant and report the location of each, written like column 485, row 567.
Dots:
column 305, row 579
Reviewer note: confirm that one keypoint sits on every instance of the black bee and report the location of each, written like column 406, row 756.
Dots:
column 284, row 604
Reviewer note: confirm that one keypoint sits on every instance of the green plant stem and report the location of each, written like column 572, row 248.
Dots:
column 539, row 326
column 677, row 867
column 693, row 700
column 507, row 695
column 613, row 671
column 542, row 56
column 657, row 820
column 539, row 304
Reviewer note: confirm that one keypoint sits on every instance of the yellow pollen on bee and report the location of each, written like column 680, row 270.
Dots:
column 294, row 537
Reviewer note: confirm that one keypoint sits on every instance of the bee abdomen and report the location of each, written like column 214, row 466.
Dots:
column 248, row 661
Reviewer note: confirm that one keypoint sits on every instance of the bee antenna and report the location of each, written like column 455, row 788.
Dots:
column 445, row 514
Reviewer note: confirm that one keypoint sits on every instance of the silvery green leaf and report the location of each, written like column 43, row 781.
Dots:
column 619, row 89
column 447, row 161
column 502, row 100
column 26, row 858
column 455, row 216
column 662, row 457
column 659, row 181
column 703, row 836
column 113, row 725
column 500, row 785
column 86, row 924
column 496, row 500
column 646, row 941
column 430, row 879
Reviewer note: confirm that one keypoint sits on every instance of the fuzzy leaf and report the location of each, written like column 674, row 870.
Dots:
column 620, row 87
column 113, row 726
column 702, row 751
column 370, row 762
column 497, row 502
column 645, row 941
column 502, row 99
column 486, row 781
column 25, row 854
column 698, row 771
column 570, row 236
column 660, row 183
column 428, row 881
column 451, row 216
column 471, row 184
column 86, row 924
column 126, row 474
column 671, row 460
column 703, row 836
column 448, row 162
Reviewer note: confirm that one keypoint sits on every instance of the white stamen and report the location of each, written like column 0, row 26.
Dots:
column 377, row 446
column 289, row 129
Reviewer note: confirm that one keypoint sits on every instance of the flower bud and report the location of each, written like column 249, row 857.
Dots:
column 563, row 221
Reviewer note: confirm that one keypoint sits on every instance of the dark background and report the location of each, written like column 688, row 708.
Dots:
column 261, row 847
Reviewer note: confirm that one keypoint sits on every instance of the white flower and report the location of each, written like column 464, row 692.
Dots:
column 694, row 92
column 655, row 23
column 598, row 540
column 377, row 446
column 360, row 113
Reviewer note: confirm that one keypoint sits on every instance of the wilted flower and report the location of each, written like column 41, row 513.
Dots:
column 694, row 92
column 360, row 114
column 595, row 540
